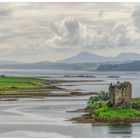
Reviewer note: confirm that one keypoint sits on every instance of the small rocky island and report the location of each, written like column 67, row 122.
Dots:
column 115, row 107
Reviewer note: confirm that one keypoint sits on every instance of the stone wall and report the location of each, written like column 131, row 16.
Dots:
column 120, row 95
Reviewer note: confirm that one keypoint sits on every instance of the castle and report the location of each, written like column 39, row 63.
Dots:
column 120, row 95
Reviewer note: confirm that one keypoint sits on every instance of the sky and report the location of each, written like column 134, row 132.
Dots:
column 31, row 32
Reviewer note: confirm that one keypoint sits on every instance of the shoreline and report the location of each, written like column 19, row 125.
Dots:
column 46, row 88
column 86, row 118
column 36, row 95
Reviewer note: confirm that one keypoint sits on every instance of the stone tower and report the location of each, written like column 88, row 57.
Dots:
column 120, row 95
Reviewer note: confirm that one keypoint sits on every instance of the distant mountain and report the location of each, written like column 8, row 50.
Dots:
column 87, row 57
column 84, row 57
column 133, row 66
column 4, row 62
column 83, row 61
column 128, row 56
column 52, row 66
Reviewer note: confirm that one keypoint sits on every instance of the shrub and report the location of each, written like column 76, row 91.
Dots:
column 13, row 87
column 109, row 104
column 102, row 96
column 97, row 105
column 2, row 76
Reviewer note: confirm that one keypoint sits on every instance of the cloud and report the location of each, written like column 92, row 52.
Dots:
column 4, row 13
column 101, row 13
column 70, row 34
column 37, row 29
column 119, row 29
column 66, row 34
column 136, row 17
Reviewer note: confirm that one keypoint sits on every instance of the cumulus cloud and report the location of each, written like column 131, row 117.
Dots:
column 71, row 33
column 66, row 34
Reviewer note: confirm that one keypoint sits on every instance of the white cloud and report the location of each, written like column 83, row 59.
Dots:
column 40, row 29
column 66, row 34
column 71, row 33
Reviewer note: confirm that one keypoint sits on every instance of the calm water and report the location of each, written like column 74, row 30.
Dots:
column 48, row 117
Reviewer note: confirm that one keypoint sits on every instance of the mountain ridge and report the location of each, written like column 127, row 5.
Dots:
column 87, row 57
column 8, row 62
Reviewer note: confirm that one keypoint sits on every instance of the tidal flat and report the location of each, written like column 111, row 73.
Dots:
column 23, row 87
column 48, row 116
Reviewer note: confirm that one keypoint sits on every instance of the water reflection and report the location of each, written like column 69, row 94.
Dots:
column 125, row 130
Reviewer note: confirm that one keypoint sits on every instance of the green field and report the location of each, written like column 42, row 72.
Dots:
column 111, row 113
column 19, row 82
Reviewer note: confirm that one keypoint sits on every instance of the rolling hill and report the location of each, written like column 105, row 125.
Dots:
column 133, row 66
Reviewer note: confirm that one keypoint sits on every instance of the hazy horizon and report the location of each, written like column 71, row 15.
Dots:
column 31, row 32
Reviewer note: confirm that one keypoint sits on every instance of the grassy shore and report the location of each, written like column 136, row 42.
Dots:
column 99, row 112
column 11, row 85
column 16, row 87
column 106, row 113
column 19, row 82
column 102, row 111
